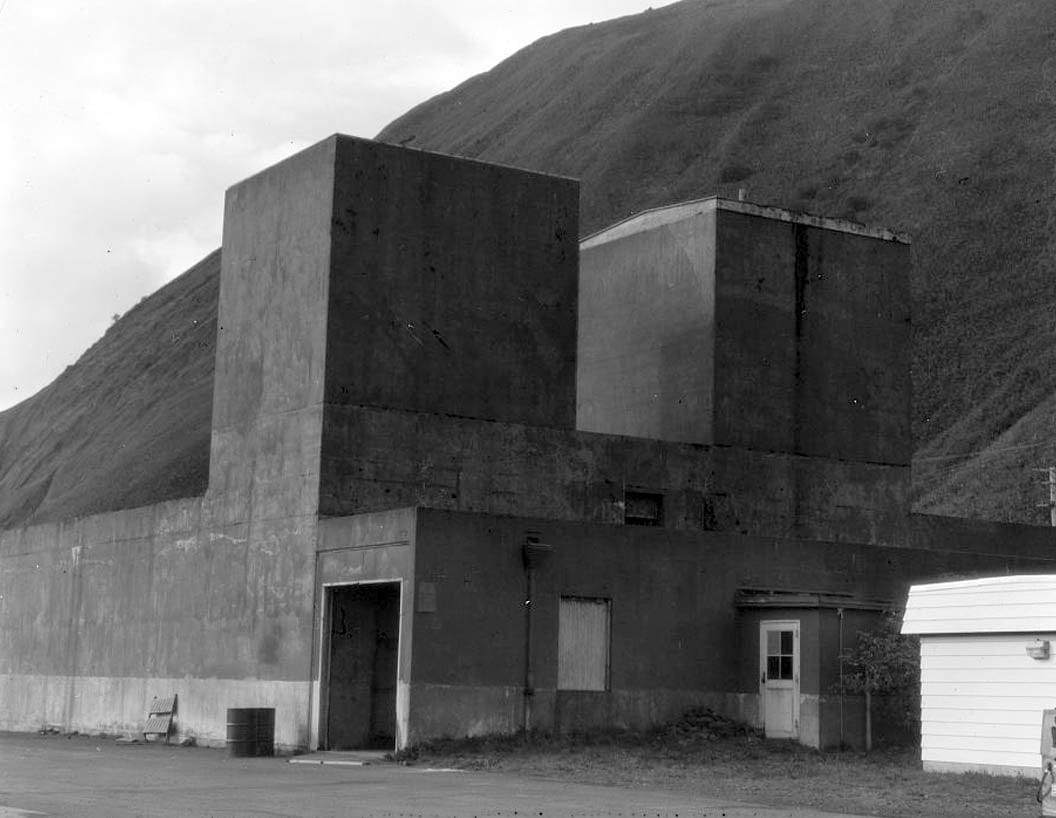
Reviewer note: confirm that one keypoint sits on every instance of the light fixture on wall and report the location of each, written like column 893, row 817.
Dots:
column 1038, row 649
column 534, row 551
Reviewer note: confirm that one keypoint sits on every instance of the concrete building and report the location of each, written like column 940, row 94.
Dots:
column 458, row 487
column 986, row 671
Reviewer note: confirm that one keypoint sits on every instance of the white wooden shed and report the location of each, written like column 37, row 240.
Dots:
column 987, row 671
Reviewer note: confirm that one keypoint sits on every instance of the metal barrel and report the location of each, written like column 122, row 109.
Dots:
column 241, row 732
column 250, row 731
column 265, row 733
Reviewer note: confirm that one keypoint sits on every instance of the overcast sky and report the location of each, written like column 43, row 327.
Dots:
column 122, row 123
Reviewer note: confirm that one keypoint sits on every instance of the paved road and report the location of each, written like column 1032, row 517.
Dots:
column 96, row 778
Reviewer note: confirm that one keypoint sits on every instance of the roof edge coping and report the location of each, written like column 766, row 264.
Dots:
column 667, row 214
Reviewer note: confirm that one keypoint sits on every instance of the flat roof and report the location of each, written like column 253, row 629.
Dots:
column 659, row 216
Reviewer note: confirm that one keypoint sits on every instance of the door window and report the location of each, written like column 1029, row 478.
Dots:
column 780, row 654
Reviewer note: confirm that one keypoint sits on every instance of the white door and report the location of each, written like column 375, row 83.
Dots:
column 779, row 677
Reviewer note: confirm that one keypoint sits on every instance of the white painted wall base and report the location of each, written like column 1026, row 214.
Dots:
column 117, row 705
column 810, row 720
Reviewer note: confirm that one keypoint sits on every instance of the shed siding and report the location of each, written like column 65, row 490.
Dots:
column 982, row 698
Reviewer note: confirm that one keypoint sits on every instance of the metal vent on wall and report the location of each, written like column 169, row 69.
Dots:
column 643, row 508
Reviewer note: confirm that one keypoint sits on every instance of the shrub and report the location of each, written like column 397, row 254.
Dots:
column 884, row 662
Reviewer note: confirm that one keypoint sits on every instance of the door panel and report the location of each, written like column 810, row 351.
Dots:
column 383, row 684
column 779, row 677
column 583, row 644
column 362, row 666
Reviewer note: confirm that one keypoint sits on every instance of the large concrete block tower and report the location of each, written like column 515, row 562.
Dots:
column 358, row 274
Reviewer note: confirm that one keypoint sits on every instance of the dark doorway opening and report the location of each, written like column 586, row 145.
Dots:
column 364, row 623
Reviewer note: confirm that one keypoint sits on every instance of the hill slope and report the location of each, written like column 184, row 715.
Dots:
column 932, row 118
column 928, row 117
column 129, row 423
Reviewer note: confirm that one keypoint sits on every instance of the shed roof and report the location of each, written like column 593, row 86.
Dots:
column 1019, row 604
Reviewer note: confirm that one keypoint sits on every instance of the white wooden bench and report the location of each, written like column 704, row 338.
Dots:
column 159, row 717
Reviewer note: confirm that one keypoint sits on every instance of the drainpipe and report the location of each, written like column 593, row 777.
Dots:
column 533, row 552
column 839, row 613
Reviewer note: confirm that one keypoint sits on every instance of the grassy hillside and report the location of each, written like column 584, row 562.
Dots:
column 933, row 118
column 129, row 423
column 930, row 117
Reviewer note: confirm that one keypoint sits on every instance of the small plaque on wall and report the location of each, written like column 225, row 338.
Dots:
column 426, row 597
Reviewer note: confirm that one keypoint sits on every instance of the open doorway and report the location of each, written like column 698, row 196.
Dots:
column 362, row 650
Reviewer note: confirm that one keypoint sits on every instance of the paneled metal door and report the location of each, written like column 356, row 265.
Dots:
column 779, row 677
column 583, row 644
column 363, row 650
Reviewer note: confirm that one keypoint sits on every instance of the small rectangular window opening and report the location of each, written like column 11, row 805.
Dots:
column 643, row 508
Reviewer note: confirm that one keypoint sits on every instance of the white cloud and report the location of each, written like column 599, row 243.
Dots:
column 122, row 123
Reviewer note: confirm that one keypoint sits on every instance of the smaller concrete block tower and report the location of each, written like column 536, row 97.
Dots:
column 723, row 322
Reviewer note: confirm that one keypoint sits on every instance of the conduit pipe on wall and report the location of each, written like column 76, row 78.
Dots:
column 534, row 553
column 318, row 623
column 839, row 613
column 73, row 637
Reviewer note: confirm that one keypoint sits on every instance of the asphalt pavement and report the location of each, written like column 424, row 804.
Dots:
column 93, row 777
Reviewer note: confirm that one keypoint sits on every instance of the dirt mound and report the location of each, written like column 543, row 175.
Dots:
column 704, row 724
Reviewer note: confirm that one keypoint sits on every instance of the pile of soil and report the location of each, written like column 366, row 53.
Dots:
column 704, row 724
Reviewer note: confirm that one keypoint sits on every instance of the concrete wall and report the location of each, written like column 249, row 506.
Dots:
column 678, row 638
column 271, row 334
column 340, row 318
column 100, row 614
column 827, row 718
column 646, row 332
column 453, row 287
column 366, row 548
column 829, row 376
column 935, row 532
column 811, row 648
column 723, row 322
column 390, row 459
column 210, row 598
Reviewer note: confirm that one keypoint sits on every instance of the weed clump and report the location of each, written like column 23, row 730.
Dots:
column 696, row 729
